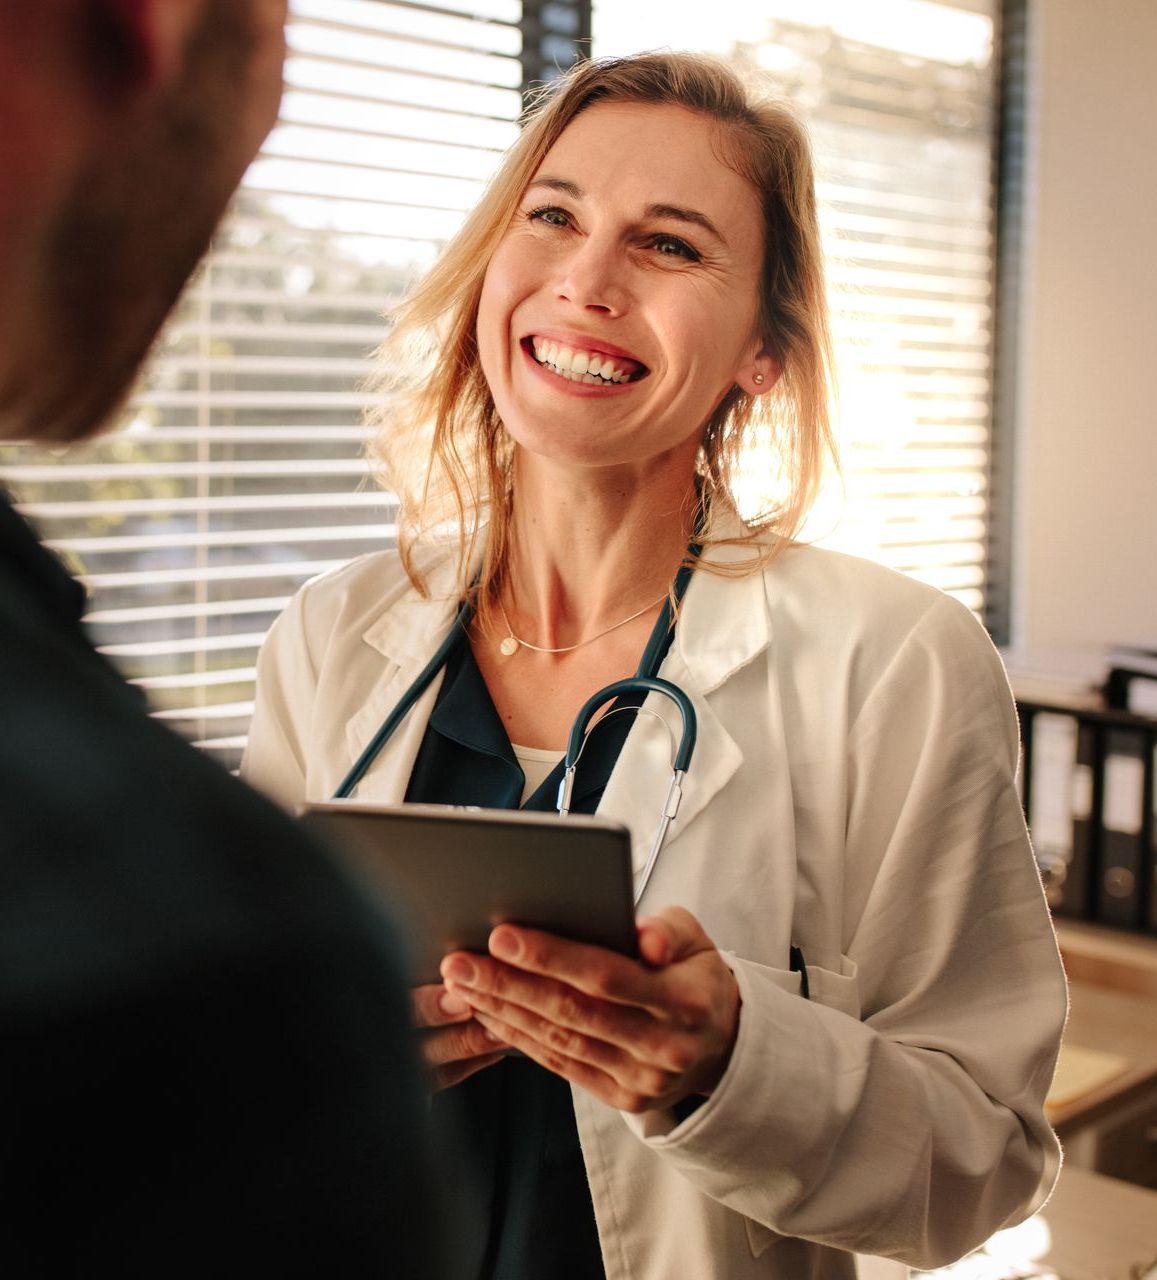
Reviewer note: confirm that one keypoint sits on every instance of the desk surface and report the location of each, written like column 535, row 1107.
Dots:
column 1109, row 957
column 1115, row 1022
column 1113, row 1009
column 1099, row 1228
column 1093, row 1228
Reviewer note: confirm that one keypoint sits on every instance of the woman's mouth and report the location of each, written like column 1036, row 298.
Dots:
column 576, row 364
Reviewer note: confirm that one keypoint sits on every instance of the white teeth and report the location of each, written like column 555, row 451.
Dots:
column 577, row 366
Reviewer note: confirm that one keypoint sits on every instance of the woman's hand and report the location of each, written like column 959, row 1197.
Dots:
column 453, row 1045
column 638, row 1035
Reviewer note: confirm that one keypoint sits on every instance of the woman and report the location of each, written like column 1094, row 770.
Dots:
column 640, row 291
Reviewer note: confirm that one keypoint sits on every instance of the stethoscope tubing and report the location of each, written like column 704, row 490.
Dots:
column 645, row 681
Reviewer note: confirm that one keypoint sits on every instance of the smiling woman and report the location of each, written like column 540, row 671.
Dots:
column 742, row 164
column 609, row 270
column 846, row 1012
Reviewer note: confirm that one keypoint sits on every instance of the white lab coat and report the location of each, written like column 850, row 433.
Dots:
column 852, row 791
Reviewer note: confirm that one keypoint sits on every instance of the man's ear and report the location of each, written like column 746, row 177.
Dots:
column 140, row 44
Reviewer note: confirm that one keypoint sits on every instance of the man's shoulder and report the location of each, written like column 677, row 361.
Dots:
column 125, row 845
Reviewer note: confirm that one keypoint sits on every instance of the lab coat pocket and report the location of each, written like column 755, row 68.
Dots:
column 836, row 990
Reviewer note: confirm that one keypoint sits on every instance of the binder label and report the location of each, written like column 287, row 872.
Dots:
column 1143, row 697
column 1082, row 792
column 1124, row 794
column 1054, row 753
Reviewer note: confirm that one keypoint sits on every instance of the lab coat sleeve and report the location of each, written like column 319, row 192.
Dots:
column 899, row 1112
column 277, row 750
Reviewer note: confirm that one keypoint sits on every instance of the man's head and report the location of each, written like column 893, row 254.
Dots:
column 127, row 126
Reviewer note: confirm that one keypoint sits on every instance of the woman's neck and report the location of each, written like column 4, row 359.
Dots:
column 589, row 550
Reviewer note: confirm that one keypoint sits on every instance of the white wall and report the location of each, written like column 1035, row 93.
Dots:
column 1086, row 535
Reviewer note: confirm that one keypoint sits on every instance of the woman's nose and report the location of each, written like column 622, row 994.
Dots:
column 593, row 278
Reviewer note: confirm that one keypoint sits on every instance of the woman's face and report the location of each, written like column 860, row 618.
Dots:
column 621, row 305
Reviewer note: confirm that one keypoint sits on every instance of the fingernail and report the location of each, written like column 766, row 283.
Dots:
column 453, row 1006
column 459, row 969
column 505, row 944
column 489, row 1036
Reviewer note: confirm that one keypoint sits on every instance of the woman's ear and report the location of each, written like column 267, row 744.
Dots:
column 141, row 44
column 760, row 374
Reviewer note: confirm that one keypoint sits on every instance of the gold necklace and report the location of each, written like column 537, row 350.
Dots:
column 511, row 645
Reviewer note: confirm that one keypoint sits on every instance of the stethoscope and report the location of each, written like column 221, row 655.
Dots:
column 645, row 680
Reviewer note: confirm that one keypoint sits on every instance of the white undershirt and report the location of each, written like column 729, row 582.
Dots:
column 536, row 766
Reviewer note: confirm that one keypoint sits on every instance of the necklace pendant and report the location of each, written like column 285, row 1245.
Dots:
column 509, row 647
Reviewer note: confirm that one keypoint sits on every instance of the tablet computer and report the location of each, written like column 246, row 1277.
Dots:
column 452, row 874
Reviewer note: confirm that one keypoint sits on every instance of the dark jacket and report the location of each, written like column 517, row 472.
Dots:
column 206, row 1065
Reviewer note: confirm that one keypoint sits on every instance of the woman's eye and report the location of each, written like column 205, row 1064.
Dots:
column 550, row 214
column 673, row 247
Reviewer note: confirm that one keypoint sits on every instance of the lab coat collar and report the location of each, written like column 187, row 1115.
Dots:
column 411, row 626
column 722, row 625
column 406, row 632
column 724, row 621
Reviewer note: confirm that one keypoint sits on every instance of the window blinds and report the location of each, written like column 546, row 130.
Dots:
column 240, row 472
column 899, row 98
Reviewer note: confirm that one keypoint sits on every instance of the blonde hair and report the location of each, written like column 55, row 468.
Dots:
column 438, row 442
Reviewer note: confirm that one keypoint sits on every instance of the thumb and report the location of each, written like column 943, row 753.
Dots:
column 671, row 935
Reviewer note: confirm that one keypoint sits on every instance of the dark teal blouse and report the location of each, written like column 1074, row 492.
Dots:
column 514, row 1120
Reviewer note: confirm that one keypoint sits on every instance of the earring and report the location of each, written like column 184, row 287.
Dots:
column 757, row 378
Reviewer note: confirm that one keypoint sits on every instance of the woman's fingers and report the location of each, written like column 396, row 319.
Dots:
column 606, row 1085
column 453, row 1053
column 433, row 1006
column 577, row 1025
column 447, row 1077
column 636, row 1034
column 457, row 1043
column 593, row 970
column 452, row 1044
column 670, row 936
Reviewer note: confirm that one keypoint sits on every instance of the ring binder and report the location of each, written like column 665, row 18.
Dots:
column 1089, row 799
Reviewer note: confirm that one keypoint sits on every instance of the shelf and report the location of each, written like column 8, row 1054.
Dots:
column 1110, row 958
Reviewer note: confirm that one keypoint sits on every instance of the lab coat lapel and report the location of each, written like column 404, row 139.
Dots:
column 722, row 626
column 407, row 635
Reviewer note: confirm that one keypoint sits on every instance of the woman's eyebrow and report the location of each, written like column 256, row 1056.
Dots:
column 672, row 211
column 571, row 189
